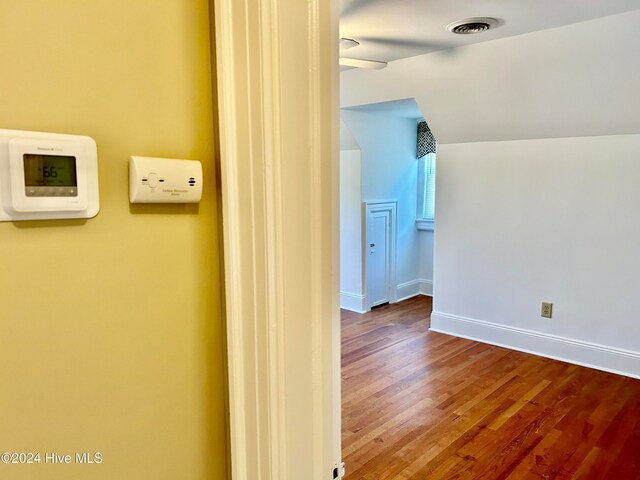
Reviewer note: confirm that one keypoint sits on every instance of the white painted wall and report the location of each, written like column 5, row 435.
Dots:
column 521, row 222
column 547, row 113
column 425, row 265
column 351, row 231
column 389, row 173
column 347, row 142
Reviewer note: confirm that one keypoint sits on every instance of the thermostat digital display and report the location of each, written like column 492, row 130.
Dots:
column 50, row 175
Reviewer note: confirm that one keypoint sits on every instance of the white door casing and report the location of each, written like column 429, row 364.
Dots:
column 277, row 82
column 380, row 252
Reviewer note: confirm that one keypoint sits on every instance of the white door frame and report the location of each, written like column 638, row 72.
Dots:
column 277, row 91
column 392, row 208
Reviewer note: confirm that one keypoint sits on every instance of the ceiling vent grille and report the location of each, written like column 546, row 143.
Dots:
column 469, row 26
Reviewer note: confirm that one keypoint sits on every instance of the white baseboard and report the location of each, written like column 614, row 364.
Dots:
column 358, row 303
column 426, row 287
column 600, row 357
column 414, row 287
column 407, row 290
column 353, row 302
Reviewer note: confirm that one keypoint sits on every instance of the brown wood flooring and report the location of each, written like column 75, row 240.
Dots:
column 422, row 405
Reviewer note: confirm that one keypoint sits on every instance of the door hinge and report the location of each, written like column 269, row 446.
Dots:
column 338, row 471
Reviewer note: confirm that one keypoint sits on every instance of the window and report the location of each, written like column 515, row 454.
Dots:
column 426, row 191
column 426, row 148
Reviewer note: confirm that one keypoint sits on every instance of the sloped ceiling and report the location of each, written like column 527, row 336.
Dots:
column 577, row 80
column 392, row 29
column 403, row 108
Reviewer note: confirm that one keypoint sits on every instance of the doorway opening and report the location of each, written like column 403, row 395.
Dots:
column 387, row 218
column 383, row 163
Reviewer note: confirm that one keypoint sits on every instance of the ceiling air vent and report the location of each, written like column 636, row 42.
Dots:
column 472, row 25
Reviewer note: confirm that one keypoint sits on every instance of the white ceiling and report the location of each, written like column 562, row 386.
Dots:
column 392, row 29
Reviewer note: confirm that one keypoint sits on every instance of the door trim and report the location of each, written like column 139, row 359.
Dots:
column 278, row 144
column 392, row 208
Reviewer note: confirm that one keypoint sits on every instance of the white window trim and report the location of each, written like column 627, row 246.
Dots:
column 427, row 225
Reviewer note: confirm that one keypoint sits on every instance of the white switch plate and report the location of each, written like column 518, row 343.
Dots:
column 164, row 180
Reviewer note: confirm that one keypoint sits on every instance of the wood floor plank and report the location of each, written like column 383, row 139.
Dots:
column 522, row 401
column 423, row 405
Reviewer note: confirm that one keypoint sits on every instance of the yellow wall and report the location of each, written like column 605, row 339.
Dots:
column 110, row 329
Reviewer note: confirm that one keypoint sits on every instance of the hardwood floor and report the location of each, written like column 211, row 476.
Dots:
column 422, row 405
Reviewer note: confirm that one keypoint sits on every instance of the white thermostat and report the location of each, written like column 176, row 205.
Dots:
column 47, row 176
column 164, row 180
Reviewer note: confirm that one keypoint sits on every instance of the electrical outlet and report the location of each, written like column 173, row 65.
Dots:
column 547, row 309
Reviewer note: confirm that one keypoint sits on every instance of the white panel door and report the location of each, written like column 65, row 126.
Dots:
column 378, row 261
